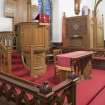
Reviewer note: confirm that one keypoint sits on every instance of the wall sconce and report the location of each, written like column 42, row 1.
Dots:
column 77, row 6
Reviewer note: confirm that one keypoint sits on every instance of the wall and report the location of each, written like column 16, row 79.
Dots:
column 21, row 10
column 60, row 6
column 5, row 23
column 55, row 22
column 1, row 8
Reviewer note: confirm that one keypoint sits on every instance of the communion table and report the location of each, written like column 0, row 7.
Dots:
column 78, row 62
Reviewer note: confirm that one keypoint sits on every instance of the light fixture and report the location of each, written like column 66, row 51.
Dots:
column 77, row 6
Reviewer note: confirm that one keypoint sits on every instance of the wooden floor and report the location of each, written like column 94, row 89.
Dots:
column 3, row 101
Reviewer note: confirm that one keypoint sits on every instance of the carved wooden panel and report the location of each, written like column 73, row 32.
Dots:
column 77, row 30
column 85, row 32
column 26, row 35
column 39, row 37
column 76, row 26
column 100, row 31
column 76, row 42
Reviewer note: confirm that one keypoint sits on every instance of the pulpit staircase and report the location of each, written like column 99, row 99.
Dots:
column 18, row 68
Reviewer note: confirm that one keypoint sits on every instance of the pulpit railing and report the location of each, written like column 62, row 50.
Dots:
column 29, row 93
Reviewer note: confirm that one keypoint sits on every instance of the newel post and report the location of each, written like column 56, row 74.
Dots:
column 9, row 59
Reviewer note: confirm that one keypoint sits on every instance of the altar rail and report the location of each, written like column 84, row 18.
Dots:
column 28, row 93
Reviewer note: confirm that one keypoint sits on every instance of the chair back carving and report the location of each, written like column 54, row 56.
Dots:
column 56, row 52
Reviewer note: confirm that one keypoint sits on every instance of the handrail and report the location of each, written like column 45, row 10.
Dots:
column 67, row 88
column 16, row 80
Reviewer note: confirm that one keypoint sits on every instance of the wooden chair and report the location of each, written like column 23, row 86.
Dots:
column 62, row 72
column 51, row 56
column 55, row 53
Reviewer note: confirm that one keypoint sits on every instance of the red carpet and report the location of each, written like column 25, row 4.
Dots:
column 18, row 68
column 48, row 76
column 89, row 92
column 100, row 99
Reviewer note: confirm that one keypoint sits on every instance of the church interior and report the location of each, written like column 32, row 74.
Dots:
column 52, row 52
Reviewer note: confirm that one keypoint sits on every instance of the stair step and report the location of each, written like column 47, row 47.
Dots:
column 17, row 62
column 16, row 56
column 17, row 67
column 21, row 73
column 30, row 78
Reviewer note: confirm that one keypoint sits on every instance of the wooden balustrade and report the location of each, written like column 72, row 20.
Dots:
column 5, row 58
column 29, row 93
column 7, row 38
column 6, row 45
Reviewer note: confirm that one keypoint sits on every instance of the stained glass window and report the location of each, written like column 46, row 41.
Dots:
column 44, row 10
column 41, row 8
